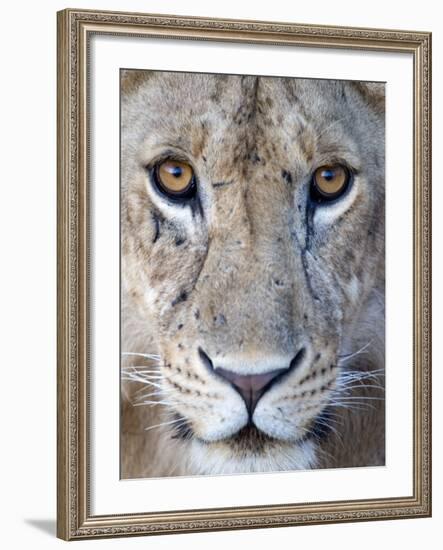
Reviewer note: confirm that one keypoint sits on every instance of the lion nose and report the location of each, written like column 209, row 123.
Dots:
column 250, row 387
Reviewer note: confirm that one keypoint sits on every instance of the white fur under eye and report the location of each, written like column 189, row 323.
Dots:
column 180, row 213
column 326, row 214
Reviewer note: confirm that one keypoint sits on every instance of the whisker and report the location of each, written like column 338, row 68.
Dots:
column 151, row 394
column 361, row 375
column 148, row 382
column 345, row 389
column 352, row 406
column 363, row 372
column 336, row 417
column 147, row 355
column 329, row 427
column 143, row 375
column 322, row 451
column 151, row 403
column 142, row 378
column 348, row 356
column 141, row 368
column 169, row 423
column 360, row 397
column 355, row 379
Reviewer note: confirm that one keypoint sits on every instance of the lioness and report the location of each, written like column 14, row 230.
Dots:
column 252, row 254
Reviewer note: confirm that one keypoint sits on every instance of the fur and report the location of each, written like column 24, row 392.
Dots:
column 251, row 272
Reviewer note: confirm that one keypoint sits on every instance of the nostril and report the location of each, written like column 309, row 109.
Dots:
column 298, row 359
column 205, row 360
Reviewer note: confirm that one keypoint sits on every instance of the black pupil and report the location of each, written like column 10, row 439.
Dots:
column 328, row 175
column 176, row 171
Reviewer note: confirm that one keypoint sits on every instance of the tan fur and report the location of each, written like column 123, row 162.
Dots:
column 250, row 274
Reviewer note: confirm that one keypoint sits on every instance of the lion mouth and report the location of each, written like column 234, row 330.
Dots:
column 248, row 438
column 251, row 440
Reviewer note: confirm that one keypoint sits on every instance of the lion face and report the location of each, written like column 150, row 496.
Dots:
column 252, row 236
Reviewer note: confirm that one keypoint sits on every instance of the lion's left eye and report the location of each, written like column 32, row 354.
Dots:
column 175, row 179
column 329, row 182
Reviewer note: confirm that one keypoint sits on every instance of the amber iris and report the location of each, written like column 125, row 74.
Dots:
column 330, row 181
column 174, row 177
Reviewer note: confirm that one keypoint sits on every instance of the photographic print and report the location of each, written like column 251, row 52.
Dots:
column 252, row 274
column 244, row 250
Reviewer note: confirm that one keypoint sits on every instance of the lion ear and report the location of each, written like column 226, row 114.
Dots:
column 373, row 93
column 131, row 79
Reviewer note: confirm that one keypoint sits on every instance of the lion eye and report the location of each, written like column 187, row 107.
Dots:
column 329, row 182
column 175, row 179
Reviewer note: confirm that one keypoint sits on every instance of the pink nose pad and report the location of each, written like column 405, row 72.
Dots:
column 250, row 387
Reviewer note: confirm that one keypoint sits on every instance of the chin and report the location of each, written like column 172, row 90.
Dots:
column 248, row 451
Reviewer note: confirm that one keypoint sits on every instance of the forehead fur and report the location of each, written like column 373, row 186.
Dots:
column 195, row 88
column 203, row 112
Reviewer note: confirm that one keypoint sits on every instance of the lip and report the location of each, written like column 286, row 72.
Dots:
column 249, row 438
column 319, row 429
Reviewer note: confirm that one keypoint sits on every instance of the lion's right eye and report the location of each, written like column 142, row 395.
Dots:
column 329, row 182
column 175, row 179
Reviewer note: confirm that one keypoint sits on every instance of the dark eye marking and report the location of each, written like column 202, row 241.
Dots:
column 157, row 229
column 182, row 297
column 255, row 158
column 286, row 176
column 161, row 225
column 158, row 221
column 222, row 183
column 219, row 320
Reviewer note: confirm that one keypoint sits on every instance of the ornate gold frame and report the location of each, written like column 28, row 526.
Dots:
column 74, row 30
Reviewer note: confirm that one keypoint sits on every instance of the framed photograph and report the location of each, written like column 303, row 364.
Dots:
column 243, row 274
